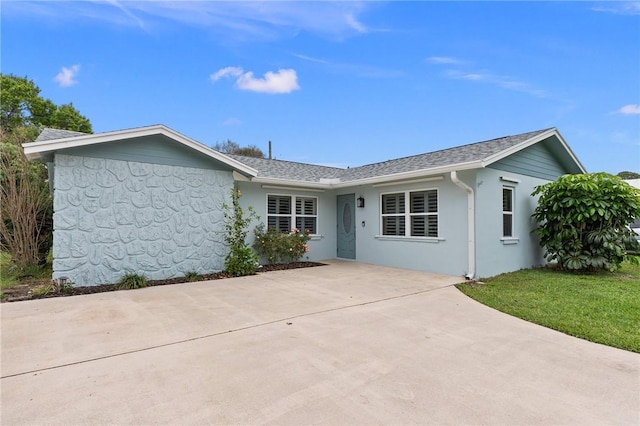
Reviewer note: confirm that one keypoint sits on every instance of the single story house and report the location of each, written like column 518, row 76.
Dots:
column 149, row 200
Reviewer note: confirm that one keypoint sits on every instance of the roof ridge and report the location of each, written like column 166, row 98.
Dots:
column 287, row 161
column 452, row 148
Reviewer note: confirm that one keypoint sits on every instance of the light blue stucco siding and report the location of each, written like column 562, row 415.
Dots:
column 496, row 254
column 446, row 254
column 112, row 217
column 322, row 246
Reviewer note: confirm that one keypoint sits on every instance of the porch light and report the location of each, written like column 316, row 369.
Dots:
column 360, row 202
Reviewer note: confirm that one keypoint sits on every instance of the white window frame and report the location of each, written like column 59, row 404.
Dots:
column 510, row 213
column 294, row 215
column 407, row 214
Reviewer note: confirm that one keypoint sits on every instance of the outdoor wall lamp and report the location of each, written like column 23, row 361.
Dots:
column 360, row 202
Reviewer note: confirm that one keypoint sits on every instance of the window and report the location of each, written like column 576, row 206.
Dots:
column 507, row 212
column 306, row 214
column 422, row 215
column 281, row 216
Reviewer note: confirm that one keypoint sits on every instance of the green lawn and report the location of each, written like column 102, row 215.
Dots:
column 602, row 307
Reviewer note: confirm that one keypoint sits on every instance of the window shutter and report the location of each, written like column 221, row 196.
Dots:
column 432, row 226
column 432, row 202
column 417, row 202
column 418, row 226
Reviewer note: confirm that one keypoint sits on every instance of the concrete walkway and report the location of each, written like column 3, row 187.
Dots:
column 347, row 343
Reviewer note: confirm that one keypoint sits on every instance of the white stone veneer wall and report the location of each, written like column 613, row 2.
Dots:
column 113, row 217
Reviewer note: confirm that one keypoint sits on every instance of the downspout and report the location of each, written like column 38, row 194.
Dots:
column 471, row 224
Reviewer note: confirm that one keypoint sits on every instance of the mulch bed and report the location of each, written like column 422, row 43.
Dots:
column 24, row 291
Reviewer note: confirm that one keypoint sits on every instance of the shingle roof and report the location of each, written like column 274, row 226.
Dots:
column 447, row 157
column 50, row 134
column 312, row 173
column 289, row 170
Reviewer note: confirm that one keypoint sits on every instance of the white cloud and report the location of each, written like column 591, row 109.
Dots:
column 619, row 8
column 355, row 69
column 236, row 21
column 631, row 109
column 67, row 76
column 439, row 60
column 231, row 121
column 285, row 80
column 227, row 72
column 503, row 81
column 281, row 81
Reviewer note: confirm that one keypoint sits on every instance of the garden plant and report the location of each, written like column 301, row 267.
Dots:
column 280, row 247
column 584, row 221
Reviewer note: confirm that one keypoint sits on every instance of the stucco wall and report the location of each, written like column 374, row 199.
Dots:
column 112, row 217
column 495, row 254
column 447, row 254
column 323, row 245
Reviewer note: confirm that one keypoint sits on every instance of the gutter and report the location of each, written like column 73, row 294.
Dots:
column 471, row 228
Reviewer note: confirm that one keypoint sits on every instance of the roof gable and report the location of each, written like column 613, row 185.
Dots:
column 492, row 153
column 465, row 157
column 49, row 142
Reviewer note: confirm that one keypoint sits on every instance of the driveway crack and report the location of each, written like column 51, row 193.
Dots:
column 220, row 333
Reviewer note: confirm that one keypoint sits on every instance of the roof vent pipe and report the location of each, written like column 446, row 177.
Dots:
column 471, row 228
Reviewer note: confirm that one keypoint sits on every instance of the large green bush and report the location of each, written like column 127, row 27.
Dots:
column 280, row 247
column 584, row 220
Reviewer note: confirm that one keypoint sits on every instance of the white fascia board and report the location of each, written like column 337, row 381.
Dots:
column 532, row 141
column 34, row 150
column 294, row 183
column 235, row 164
column 415, row 174
column 566, row 146
column 519, row 147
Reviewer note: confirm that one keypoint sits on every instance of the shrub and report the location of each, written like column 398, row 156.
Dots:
column 192, row 276
column 26, row 206
column 280, row 247
column 584, row 220
column 240, row 260
column 131, row 280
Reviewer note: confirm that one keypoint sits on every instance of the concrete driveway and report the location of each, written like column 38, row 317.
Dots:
column 347, row 343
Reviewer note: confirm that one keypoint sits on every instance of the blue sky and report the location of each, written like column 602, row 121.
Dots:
column 346, row 83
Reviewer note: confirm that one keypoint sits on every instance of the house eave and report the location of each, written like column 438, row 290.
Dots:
column 293, row 183
column 37, row 150
column 532, row 141
column 414, row 174
column 396, row 177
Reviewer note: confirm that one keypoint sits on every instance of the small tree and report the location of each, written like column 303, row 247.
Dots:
column 230, row 147
column 584, row 220
column 628, row 175
column 240, row 260
column 25, row 203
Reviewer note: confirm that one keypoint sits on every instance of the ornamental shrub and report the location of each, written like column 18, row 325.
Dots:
column 131, row 280
column 583, row 220
column 240, row 260
column 280, row 247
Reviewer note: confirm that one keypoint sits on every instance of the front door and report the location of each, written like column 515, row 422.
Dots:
column 347, row 226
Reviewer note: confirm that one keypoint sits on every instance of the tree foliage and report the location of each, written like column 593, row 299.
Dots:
column 230, row 147
column 584, row 220
column 25, row 201
column 628, row 175
column 22, row 106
